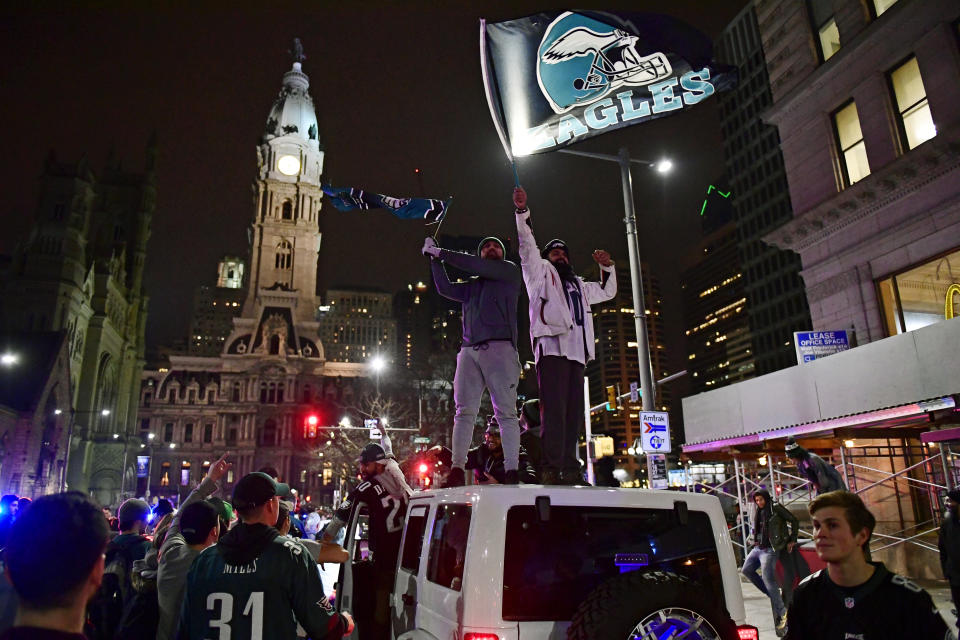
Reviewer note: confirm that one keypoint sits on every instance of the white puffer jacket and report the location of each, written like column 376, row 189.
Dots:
column 549, row 312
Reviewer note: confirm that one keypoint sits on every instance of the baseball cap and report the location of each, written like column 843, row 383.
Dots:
column 372, row 453
column 196, row 521
column 255, row 489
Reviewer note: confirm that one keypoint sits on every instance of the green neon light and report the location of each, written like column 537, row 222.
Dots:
column 703, row 208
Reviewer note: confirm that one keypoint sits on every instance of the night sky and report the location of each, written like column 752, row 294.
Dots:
column 397, row 86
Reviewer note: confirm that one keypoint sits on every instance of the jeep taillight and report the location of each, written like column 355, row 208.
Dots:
column 746, row 632
column 480, row 636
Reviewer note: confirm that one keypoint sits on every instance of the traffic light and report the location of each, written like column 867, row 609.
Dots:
column 311, row 422
column 611, row 398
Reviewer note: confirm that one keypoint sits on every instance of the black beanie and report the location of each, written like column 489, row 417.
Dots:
column 556, row 243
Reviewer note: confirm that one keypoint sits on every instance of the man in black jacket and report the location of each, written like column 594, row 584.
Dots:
column 949, row 543
column 763, row 556
column 853, row 597
column 487, row 460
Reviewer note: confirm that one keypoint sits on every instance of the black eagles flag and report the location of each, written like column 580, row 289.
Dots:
column 556, row 78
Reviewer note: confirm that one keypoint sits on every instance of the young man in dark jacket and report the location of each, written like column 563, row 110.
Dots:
column 488, row 355
column 855, row 598
column 949, row 543
column 255, row 583
column 763, row 556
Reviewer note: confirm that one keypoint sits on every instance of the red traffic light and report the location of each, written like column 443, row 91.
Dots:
column 423, row 468
column 310, row 424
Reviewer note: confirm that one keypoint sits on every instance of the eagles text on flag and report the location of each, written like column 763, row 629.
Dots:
column 558, row 78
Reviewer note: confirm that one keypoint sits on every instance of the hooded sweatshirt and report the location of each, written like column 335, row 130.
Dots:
column 489, row 299
column 260, row 584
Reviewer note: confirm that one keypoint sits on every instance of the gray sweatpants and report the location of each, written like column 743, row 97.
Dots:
column 495, row 366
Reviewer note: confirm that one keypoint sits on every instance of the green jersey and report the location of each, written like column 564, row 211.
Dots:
column 255, row 584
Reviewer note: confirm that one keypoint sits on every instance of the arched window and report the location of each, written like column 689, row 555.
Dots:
column 286, row 211
column 284, row 259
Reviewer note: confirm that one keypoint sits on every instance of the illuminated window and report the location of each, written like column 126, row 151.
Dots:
column 916, row 123
column 922, row 295
column 825, row 26
column 185, row 474
column 165, row 474
column 853, row 151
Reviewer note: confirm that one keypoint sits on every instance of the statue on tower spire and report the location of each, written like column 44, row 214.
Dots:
column 297, row 52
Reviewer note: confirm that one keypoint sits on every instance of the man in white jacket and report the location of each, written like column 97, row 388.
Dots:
column 561, row 333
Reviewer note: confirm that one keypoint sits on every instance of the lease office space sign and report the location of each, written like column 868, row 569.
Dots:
column 813, row 345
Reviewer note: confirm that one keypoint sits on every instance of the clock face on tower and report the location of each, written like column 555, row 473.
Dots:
column 288, row 165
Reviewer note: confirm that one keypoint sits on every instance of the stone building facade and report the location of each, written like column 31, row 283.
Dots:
column 80, row 270
column 253, row 399
column 870, row 135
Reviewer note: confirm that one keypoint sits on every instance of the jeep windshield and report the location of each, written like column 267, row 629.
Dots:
column 550, row 567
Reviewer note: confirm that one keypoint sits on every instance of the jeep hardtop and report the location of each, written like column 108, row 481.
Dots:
column 519, row 562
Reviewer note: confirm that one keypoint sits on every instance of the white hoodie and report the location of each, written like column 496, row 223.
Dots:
column 549, row 311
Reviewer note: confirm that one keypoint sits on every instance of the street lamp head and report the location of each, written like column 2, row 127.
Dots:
column 345, row 421
column 663, row 166
column 105, row 412
column 378, row 364
column 116, row 435
column 9, row 359
column 57, row 412
column 151, row 436
column 173, row 446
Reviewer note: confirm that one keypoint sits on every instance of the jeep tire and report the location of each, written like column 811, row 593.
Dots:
column 656, row 599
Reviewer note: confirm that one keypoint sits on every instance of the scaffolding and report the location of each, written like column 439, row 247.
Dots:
column 902, row 478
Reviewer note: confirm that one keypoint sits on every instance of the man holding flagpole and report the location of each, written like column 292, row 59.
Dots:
column 488, row 354
column 561, row 331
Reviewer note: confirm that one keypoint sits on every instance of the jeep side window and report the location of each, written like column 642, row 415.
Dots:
column 448, row 545
column 413, row 539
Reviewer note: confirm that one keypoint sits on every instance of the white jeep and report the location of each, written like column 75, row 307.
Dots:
column 544, row 562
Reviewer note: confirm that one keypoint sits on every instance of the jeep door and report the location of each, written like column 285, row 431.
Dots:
column 403, row 600
column 356, row 543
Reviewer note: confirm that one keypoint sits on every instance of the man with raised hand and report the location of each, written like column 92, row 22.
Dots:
column 561, row 332
column 195, row 527
column 488, row 356
column 255, row 583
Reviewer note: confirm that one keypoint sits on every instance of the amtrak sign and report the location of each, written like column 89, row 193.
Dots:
column 655, row 432
column 553, row 79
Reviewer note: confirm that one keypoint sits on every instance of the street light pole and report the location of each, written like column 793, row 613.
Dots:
column 647, row 390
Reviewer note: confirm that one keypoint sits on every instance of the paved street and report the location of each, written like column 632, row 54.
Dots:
column 759, row 614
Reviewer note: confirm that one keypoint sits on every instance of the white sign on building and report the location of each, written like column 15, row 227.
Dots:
column 655, row 432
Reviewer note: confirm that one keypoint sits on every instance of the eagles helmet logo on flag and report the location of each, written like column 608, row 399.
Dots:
column 581, row 60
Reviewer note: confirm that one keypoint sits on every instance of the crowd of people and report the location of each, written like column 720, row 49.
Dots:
column 247, row 566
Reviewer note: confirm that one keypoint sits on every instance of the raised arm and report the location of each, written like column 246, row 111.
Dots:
column 596, row 292
column 490, row 269
column 450, row 290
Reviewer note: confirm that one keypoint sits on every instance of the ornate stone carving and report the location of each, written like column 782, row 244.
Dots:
column 831, row 286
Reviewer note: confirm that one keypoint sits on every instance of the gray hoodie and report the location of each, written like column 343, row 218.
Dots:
column 175, row 560
column 489, row 300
